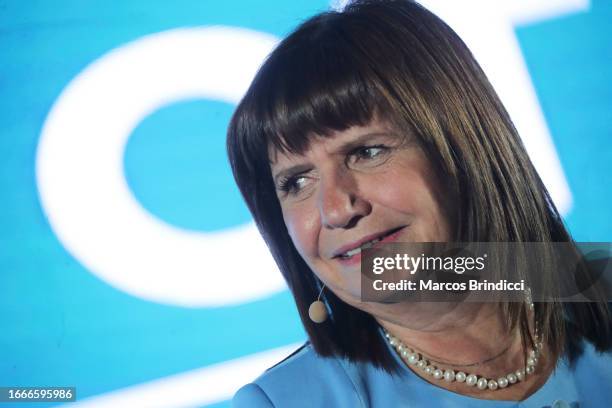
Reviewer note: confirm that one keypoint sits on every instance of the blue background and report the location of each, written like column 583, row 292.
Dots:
column 61, row 325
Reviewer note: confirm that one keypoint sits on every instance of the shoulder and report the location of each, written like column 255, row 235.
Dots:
column 302, row 379
column 596, row 364
column 592, row 376
column 251, row 395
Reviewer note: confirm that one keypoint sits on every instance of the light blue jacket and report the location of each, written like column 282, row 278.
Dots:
column 307, row 380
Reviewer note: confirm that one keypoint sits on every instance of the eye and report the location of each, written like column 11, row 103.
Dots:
column 369, row 155
column 292, row 184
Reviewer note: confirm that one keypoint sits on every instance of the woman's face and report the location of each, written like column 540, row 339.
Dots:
column 363, row 184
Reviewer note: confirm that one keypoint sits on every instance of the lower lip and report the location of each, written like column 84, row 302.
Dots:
column 356, row 259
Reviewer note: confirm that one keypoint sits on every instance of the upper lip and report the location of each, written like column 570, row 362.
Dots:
column 345, row 248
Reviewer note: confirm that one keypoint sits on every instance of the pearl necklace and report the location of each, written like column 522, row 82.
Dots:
column 414, row 359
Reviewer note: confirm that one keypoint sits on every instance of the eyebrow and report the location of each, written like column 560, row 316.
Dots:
column 359, row 141
column 297, row 169
column 343, row 148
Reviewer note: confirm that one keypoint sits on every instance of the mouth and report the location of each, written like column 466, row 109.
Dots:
column 354, row 251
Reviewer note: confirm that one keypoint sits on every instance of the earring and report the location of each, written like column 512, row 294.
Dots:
column 317, row 310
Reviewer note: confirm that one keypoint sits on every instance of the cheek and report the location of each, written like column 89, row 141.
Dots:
column 302, row 226
column 400, row 189
column 410, row 190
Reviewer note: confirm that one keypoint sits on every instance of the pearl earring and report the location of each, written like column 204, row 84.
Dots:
column 317, row 310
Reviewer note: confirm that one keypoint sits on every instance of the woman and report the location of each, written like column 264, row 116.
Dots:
column 376, row 123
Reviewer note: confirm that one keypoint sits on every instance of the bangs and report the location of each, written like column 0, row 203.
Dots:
column 315, row 83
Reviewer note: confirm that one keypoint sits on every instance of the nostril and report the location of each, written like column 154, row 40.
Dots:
column 353, row 221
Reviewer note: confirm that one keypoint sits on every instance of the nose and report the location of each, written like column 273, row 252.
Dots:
column 340, row 203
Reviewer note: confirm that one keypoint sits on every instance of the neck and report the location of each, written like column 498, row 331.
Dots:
column 458, row 335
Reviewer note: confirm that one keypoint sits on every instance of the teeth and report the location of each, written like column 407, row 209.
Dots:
column 351, row 253
column 357, row 250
